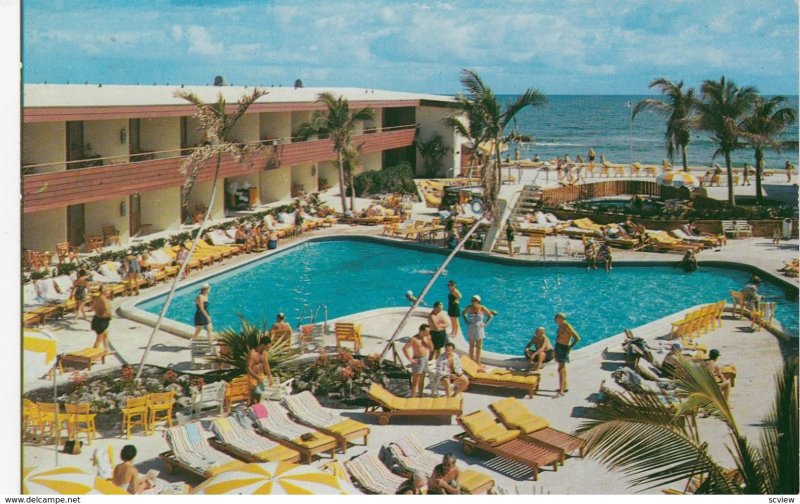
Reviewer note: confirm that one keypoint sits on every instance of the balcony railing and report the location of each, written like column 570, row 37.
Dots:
column 120, row 175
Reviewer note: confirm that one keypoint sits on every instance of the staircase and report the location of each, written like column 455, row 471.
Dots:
column 528, row 202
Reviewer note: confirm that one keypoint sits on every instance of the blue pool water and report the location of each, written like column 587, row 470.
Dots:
column 351, row 275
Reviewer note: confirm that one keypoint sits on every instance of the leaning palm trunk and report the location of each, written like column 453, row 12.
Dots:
column 759, row 174
column 352, row 190
column 684, row 158
column 729, row 168
column 341, row 181
column 185, row 262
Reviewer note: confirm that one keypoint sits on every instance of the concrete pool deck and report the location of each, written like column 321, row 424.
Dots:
column 757, row 356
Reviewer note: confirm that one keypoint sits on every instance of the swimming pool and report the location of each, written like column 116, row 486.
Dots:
column 351, row 275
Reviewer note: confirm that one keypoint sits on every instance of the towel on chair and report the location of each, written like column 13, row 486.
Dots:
column 193, row 434
column 259, row 411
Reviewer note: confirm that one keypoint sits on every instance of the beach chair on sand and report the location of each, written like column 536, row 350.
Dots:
column 272, row 421
column 305, row 408
column 410, row 456
column 500, row 377
column 389, row 405
column 482, row 432
column 368, row 472
column 240, row 441
column 191, row 452
column 514, row 415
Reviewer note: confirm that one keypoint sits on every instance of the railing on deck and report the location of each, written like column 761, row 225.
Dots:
column 566, row 194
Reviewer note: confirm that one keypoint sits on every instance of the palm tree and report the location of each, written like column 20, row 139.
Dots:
column 481, row 118
column 723, row 106
column 351, row 158
column 216, row 125
column 645, row 438
column 432, row 151
column 338, row 123
column 763, row 128
column 677, row 109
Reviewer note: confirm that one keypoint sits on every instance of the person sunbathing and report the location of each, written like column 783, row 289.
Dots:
column 126, row 475
column 723, row 382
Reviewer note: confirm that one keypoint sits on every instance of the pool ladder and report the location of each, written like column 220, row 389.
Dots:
column 311, row 314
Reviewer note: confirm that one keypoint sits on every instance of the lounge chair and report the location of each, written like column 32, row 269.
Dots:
column 389, row 405
column 514, row 415
column 499, row 377
column 584, row 226
column 234, row 438
column 348, row 331
column 272, row 421
column 84, row 357
column 36, row 309
column 410, row 456
column 305, row 408
column 369, row 473
column 743, row 228
column 706, row 241
column 190, row 451
column 661, row 241
column 481, row 431
column 103, row 459
column 729, row 228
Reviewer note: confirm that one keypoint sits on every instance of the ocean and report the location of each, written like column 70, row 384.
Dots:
column 573, row 124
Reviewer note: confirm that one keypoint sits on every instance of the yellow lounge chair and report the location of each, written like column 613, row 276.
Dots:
column 481, row 431
column 235, row 439
column 305, row 408
column 514, row 415
column 389, row 405
column 272, row 421
column 348, row 331
column 499, row 377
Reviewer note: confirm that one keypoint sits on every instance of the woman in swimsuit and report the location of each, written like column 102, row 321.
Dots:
column 566, row 338
column 79, row 287
column 453, row 310
column 473, row 315
column 201, row 316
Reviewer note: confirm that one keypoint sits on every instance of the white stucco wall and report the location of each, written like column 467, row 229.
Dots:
column 247, row 129
column 104, row 137
column 302, row 174
column 276, row 125
column 44, row 143
column 329, row 170
column 201, row 193
column 42, row 230
column 193, row 135
column 276, row 184
column 161, row 208
column 371, row 161
column 430, row 123
column 299, row 118
column 162, row 134
column 106, row 212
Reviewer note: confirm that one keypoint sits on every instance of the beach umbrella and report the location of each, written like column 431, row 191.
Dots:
column 39, row 353
column 275, row 478
column 678, row 179
column 66, row 481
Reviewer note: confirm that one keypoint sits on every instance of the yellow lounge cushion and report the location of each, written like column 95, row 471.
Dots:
column 319, row 440
column 88, row 353
column 497, row 435
column 222, row 468
column 346, row 427
column 381, row 395
column 532, row 424
column 514, row 414
column 469, row 480
column 277, row 454
column 478, row 421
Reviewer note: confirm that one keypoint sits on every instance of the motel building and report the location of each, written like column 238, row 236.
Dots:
column 96, row 156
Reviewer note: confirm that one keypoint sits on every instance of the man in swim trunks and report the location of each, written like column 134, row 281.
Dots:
column 421, row 347
column 438, row 322
column 542, row 351
column 566, row 338
column 102, row 318
column 258, row 368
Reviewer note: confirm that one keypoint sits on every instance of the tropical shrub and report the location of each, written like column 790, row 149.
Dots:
column 394, row 179
column 240, row 342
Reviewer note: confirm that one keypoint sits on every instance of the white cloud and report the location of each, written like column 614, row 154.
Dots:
column 200, row 42
column 177, row 32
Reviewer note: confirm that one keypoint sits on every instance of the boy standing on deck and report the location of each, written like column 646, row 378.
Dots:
column 566, row 338
column 421, row 347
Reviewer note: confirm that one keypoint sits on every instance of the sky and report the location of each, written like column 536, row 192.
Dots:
column 564, row 47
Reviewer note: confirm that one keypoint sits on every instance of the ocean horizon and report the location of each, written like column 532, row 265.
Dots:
column 572, row 124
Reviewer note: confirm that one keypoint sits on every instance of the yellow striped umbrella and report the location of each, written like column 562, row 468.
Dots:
column 39, row 353
column 66, row 481
column 275, row 478
column 678, row 179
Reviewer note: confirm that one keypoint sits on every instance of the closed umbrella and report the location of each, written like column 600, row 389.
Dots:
column 66, row 481
column 39, row 353
column 273, row 478
column 678, row 179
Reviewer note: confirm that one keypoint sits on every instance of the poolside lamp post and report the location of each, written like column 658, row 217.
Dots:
column 628, row 105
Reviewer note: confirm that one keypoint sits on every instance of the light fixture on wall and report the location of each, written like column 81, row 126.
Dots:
column 123, row 208
column 123, row 136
